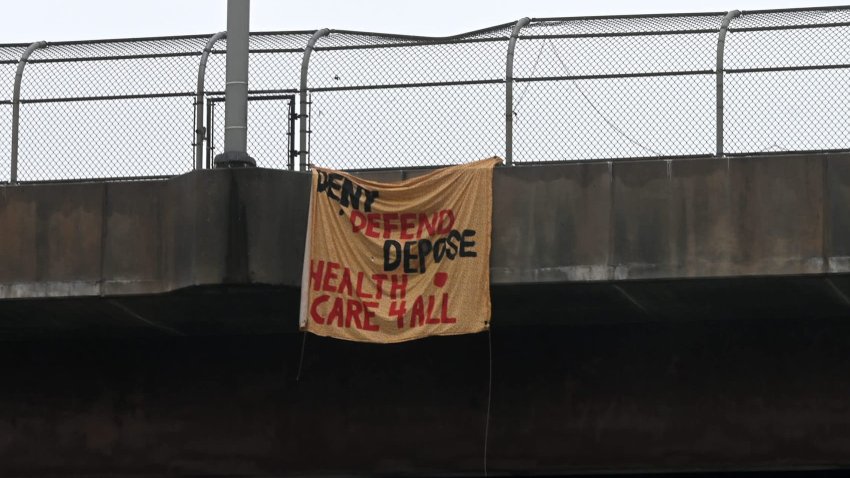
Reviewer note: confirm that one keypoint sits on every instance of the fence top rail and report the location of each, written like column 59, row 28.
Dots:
column 610, row 26
column 800, row 9
column 128, row 40
column 789, row 19
column 459, row 36
column 576, row 25
column 627, row 17
column 351, row 39
column 377, row 37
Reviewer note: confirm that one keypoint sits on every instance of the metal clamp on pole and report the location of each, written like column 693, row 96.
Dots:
column 303, row 115
column 199, row 100
column 16, row 106
column 721, row 47
column 509, row 92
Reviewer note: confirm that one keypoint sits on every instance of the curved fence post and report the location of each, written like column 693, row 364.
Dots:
column 302, row 113
column 721, row 47
column 200, row 130
column 509, row 91
column 16, row 106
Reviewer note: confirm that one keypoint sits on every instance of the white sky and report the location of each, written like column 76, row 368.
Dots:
column 55, row 20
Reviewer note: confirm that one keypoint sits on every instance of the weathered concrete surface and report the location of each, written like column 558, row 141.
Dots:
column 575, row 222
column 672, row 219
column 120, row 238
column 665, row 239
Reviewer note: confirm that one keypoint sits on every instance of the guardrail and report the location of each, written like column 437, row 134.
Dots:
column 532, row 91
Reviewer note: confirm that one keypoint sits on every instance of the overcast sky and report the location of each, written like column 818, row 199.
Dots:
column 55, row 20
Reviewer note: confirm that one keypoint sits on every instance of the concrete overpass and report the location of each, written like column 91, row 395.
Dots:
column 652, row 315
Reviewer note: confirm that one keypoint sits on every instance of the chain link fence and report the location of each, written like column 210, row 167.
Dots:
column 9, row 56
column 786, row 77
column 394, row 101
column 271, row 139
column 616, row 87
column 533, row 91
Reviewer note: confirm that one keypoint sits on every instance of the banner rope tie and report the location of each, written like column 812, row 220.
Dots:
column 489, row 395
column 301, row 360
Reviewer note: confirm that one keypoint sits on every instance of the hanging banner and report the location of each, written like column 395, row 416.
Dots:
column 391, row 262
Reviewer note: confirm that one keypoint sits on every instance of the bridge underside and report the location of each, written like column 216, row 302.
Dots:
column 681, row 393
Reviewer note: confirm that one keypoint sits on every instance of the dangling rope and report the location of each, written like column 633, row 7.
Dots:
column 489, row 395
column 301, row 360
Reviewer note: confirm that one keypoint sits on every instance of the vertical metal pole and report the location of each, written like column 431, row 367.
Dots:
column 292, row 151
column 509, row 92
column 16, row 106
column 305, row 65
column 199, row 100
column 210, row 132
column 236, row 89
column 721, row 47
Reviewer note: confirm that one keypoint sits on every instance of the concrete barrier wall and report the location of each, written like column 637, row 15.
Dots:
column 573, row 222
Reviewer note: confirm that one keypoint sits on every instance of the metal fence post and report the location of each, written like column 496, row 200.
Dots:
column 200, row 129
column 16, row 106
column 509, row 91
column 235, row 153
column 721, row 47
column 302, row 116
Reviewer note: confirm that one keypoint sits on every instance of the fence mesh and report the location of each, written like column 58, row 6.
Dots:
column 9, row 56
column 784, row 77
column 615, row 88
column 274, row 64
column 270, row 129
column 583, row 88
column 429, row 102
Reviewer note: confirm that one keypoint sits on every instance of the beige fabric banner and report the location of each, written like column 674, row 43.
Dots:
column 390, row 262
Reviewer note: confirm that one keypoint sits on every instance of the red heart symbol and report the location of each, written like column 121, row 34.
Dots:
column 440, row 279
